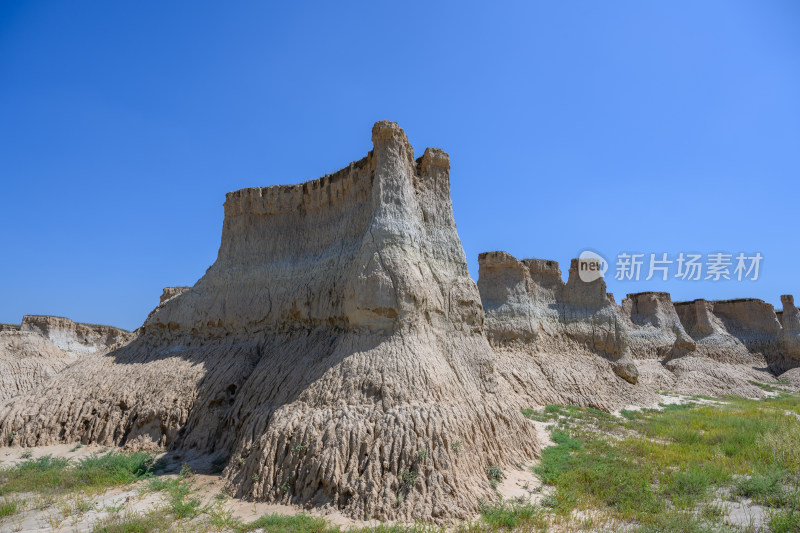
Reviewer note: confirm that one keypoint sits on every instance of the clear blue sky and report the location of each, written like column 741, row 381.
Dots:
column 618, row 126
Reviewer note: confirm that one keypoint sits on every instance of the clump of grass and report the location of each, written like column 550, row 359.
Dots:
column 786, row 521
column 761, row 487
column 456, row 446
column 494, row 473
column 513, row 516
column 300, row 523
column 10, row 507
column 54, row 475
column 131, row 522
column 178, row 489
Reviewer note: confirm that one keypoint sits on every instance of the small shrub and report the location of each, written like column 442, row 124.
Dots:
column 786, row 521
column 27, row 454
column 409, row 478
column 494, row 473
column 456, row 446
column 513, row 516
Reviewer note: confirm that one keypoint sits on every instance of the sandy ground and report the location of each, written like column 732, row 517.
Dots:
column 64, row 514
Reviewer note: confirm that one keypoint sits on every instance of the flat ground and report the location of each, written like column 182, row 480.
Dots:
column 692, row 465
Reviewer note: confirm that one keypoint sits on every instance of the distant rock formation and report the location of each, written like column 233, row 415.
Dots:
column 528, row 302
column 744, row 331
column 660, row 334
column 76, row 337
column 335, row 351
column 171, row 292
column 556, row 342
column 34, row 351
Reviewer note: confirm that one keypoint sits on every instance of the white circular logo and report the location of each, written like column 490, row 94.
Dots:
column 591, row 266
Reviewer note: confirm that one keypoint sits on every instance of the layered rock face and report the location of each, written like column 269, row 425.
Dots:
column 34, row 351
column 556, row 342
column 527, row 301
column 76, row 337
column 659, row 333
column 744, row 331
column 336, row 337
column 789, row 354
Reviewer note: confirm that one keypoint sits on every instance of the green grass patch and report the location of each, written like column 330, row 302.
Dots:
column 300, row 523
column 131, row 522
column 51, row 475
column 178, row 490
column 10, row 507
column 513, row 516
column 651, row 466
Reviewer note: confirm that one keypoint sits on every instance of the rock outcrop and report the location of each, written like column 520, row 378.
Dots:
column 556, row 342
column 743, row 331
column 335, row 351
column 26, row 361
column 789, row 354
column 659, row 333
column 76, row 337
column 528, row 302
column 171, row 292
column 34, row 351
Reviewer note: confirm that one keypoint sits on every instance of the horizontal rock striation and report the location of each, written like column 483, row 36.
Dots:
column 334, row 352
column 34, row 351
column 556, row 342
column 659, row 333
column 744, row 331
column 76, row 337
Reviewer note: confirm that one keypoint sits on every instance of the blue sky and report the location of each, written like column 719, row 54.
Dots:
column 618, row 126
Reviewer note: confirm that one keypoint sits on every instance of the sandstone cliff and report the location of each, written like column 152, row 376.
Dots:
column 76, row 337
column 335, row 352
column 659, row 333
column 34, row 351
column 556, row 342
column 743, row 331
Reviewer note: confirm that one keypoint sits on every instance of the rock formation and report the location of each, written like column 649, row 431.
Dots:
column 26, row 361
column 556, row 342
column 76, row 337
column 744, row 331
column 789, row 354
column 335, row 351
column 659, row 333
column 171, row 292
column 32, row 352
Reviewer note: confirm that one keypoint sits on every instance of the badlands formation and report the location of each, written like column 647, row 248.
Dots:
column 32, row 352
column 338, row 352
